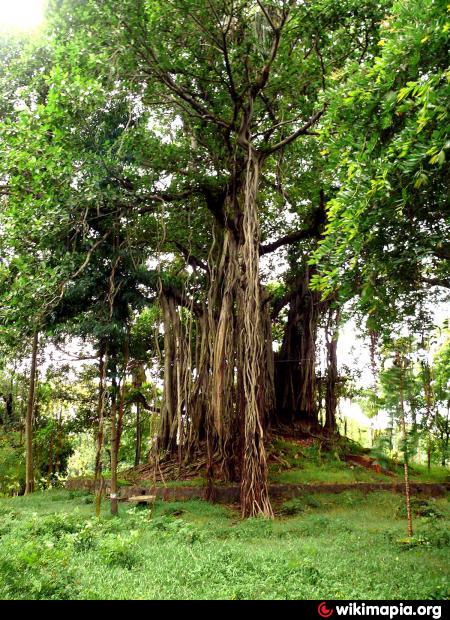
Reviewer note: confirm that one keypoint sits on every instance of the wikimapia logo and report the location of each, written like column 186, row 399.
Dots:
column 391, row 611
column 324, row 611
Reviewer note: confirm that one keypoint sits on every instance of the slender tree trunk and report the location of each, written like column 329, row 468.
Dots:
column 114, row 445
column 50, row 458
column 126, row 359
column 9, row 409
column 405, row 447
column 167, row 434
column 331, row 398
column 138, row 440
column 98, row 479
column 138, row 378
column 29, row 471
column 117, row 427
column 59, row 443
column 446, row 439
column 428, row 391
column 408, row 497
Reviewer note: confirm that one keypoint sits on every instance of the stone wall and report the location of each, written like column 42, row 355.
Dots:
column 230, row 494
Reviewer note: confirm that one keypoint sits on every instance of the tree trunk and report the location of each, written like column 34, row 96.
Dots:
column 198, row 402
column 138, row 441
column 9, row 409
column 252, row 360
column 29, row 471
column 445, row 439
column 138, row 378
column 405, row 447
column 223, row 422
column 117, row 426
column 98, row 478
column 408, row 496
column 59, row 444
column 126, row 358
column 240, row 382
column 428, row 392
column 50, row 459
column 168, row 430
column 114, row 444
column 331, row 396
column 295, row 374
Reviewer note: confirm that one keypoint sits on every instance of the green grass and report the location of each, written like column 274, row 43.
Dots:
column 331, row 473
column 297, row 464
column 420, row 473
column 329, row 547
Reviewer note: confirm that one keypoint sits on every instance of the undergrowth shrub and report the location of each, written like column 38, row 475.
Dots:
column 256, row 527
column 431, row 534
column 119, row 550
column 292, row 507
column 169, row 527
column 35, row 570
column 421, row 508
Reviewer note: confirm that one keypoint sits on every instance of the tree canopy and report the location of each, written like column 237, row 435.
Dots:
column 202, row 194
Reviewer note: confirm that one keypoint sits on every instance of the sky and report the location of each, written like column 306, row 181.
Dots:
column 21, row 15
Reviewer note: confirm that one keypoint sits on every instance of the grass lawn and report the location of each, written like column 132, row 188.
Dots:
column 320, row 546
column 292, row 463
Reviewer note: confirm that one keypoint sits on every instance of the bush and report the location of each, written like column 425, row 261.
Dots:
column 176, row 528
column 119, row 550
column 432, row 535
column 292, row 507
column 420, row 508
column 435, row 534
column 12, row 464
column 55, row 525
column 35, row 571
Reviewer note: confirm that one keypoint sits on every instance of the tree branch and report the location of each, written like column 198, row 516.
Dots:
column 293, row 136
column 444, row 282
column 181, row 299
column 190, row 258
column 148, row 54
column 306, row 233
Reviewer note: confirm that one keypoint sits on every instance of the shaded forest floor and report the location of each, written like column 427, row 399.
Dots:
column 346, row 546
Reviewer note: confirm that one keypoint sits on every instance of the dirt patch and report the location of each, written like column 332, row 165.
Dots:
column 369, row 463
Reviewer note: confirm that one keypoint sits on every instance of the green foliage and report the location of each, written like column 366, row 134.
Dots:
column 36, row 572
column 12, row 463
column 293, row 463
column 421, row 508
column 125, row 135
column 119, row 549
column 211, row 553
column 176, row 528
column 386, row 133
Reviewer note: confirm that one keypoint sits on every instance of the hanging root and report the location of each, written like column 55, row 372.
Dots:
column 254, row 488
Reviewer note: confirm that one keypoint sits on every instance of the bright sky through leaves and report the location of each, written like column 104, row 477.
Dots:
column 21, row 15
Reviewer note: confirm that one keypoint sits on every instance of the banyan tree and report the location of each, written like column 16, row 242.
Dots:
column 217, row 166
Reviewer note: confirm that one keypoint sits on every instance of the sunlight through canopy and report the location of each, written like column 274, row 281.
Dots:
column 21, row 15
